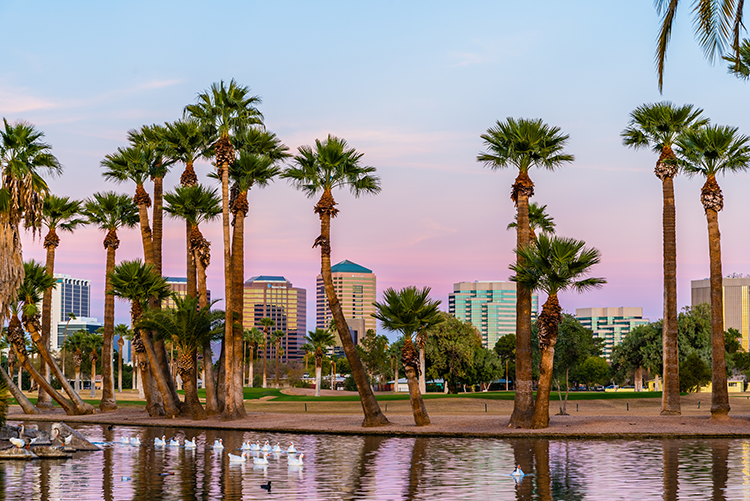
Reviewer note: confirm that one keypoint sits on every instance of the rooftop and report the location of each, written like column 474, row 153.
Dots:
column 266, row 278
column 347, row 266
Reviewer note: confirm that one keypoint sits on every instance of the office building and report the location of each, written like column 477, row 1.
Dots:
column 178, row 285
column 274, row 297
column 356, row 290
column 65, row 329
column 70, row 295
column 736, row 311
column 611, row 324
column 489, row 306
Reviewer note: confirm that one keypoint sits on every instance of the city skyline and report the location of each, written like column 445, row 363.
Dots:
column 441, row 216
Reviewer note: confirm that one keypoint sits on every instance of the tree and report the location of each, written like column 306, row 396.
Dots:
column 575, row 343
column 538, row 220
column 109, row 212
column 450, row 350
column 64, row 214
column 637, row 351
column 71, row 316
column 316, row 342
column 658, row 126
column 714, row 22
column 553, row 265
column 224, row 111
column 267, row 323
column 77, row 343
column 505, row 347
column 523, row 144
column 139, row 282
column 373, row 350
column 696, row 373
column 485, row 368
column 333, row 164
column 710, row 151
column 593, row 370
column 276, row 337
column 253, row 338
column 122, row 332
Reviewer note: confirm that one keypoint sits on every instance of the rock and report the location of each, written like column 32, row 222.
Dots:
column 51, row 452
column 16, row 453
column 78, row 442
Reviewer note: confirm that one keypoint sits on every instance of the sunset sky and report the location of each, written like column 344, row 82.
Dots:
column 412, row 86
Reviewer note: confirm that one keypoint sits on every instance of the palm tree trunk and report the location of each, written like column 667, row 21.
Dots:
column 238, row 283
column 395, row 377
column 220, row 379
column 373, row 415
column 265, row 357
column 192, row 285
column 548, row 323
column 422, row 379
column 523, row 405
column 230, row 410
column 108, row 402
column 719, row 393
column 670, row 398
column 119, row 372
column 25, row 403
column 162, row 385
column 44, row 401
column 318, row 377
column 410, row 359
column 209, row 379
column 250, row 364
column 78, row 378
column 186, row 370
column 93, row 378
column 278, row 345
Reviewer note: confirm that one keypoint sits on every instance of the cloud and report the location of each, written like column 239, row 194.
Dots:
column 14, row 101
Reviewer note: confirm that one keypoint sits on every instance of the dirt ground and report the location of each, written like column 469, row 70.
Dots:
column 626, row 418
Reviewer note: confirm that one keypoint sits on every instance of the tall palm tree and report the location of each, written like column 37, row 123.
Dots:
column 276, row 337
column 523, row 143
column 329, row 165
column 23, row 156
column 122, row 332
column 658, row 126
column 717, row 25
column 253, row 338
column 64, row 214
column 553, row 265
column 410, row 311
column 223, row 111
column 713, row 150
column 77, row 344
column 538, row 220
column 317, row 342
column 94, row 344
column 110, row 211
column 139, row 283
column 267, row 323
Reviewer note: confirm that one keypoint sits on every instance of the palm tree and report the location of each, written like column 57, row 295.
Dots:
column 224, row 111
column 253, row 338
column 95, row 344
column 23, row 155
column 122, row 332
column 276, row 338
column 267, row 323
column 553, row 265
column 317, row 342
column 333, row 164
column 538, row 220
column 411, row 312
column 740, row 63
column 57, row 213
column 110, row 211
column 188, row 326
column 77, row 343
column 715, row 21
column 658, row 126
column 71, row 316
column 139, row 283
column 712, row 150
column 523, row 144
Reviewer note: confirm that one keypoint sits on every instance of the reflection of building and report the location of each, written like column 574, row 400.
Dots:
column 736, row 311
column 489, row 306
column 611, row 324
column 178, row 286
column 355, row 288
column 274, row 297
column 70, row 295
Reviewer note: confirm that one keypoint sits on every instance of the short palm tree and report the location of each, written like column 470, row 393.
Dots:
column 77, row 344
column 267, row 323
column 224, row 111
column 410, row 311
column 538, row 220
column 329, row 165
column 276, row 337
column 139, row 283
column 658, row 126
column 64, row 214
column 713, row 150
column 110, row 211
column 553, row 265
column 317, row 342
column 122, row 332
column 253, row 338
column 522, row 144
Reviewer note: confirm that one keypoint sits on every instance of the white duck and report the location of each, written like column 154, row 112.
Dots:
column 69, row 439
column 18, row 442
column 190, row 444
column 218, row 444
column 160, row 442
column 266, row 447
column 174, row 443
column 242, row 458
column 276, row 448
column 125, row 440
column 245, row 446
column 261, row 461
column 255, row 446
column 295, row 461
column 291, row 449
column 134, row 441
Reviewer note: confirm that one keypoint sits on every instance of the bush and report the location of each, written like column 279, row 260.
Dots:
column 349, row 384
column 694, row 373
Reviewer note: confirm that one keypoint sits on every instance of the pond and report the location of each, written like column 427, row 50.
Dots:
column 384, row 468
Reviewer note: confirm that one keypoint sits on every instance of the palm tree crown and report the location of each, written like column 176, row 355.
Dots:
column 62, row 213
column 186, row 325
column 110, row 211
column 195, row 204
column 138, row 282
column 36, row 280
column 408, row 311
column 317, row 341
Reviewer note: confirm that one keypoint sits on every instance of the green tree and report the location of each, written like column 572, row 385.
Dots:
column 450, row 350
column 710, row 151
column 696, row 373
column 253, row 338
column 553, row 265
column 333, row 164
column 658, row 126
column 505, row 347
column 538, row 220
column 276, row 337
column 316, row 342
column 486, row 367
column 267, row 323
column 593, row 370
column 575, row 344
column 522, row 144
column 373, row 350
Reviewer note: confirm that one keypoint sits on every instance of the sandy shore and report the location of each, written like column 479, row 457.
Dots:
column 630, row 418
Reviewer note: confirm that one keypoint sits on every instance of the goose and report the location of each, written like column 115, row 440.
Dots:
column 234, row 458
column 291, row 449
column 246, row 446
column 293, row 461
column 218, row 444
column 276, row 448
column 174, row 443
column 266, row 487
column 266, row 447
column 160, row 442
column 20, row 443
column 55, row 433
column 189, row 444
column 69, row 439
column 261, row 461
column 255, row 446
column 133, row 441
column 123, row 440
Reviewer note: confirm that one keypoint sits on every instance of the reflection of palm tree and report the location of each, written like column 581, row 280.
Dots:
column 670, row 448
column 416, row 467
column 719, row 469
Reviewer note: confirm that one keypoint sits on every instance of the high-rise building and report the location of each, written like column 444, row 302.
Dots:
column 70, row 295
column 356, row 290
column 65, row 329
column 736, row 310
column 611, row 324
column 489, row 306
column 274, row 297
column 178, row 285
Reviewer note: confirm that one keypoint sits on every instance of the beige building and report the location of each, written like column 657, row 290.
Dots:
column 736, row 312
column 611, row 324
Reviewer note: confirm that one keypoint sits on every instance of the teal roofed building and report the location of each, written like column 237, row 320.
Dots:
column 347, row 266
column 356, row 289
